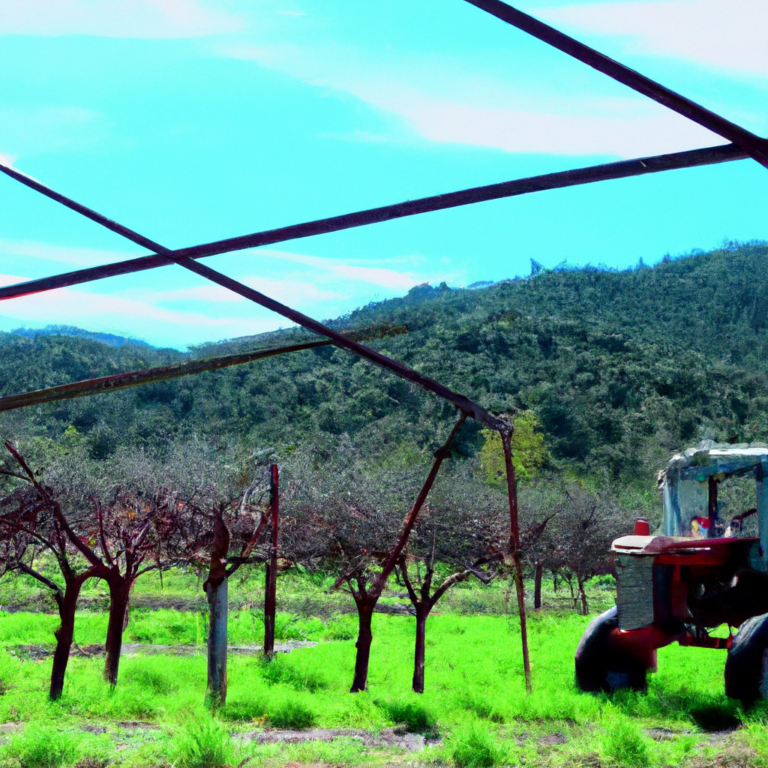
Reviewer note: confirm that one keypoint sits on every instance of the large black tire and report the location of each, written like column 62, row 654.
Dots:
column 746, row 669
column 601, row 668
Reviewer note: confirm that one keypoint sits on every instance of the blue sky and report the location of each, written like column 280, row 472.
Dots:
column 192, row 121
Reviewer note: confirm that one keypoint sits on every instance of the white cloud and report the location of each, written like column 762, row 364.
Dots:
column 66, row 305
column 36, row 130
column 574, row 125
column 289, row 288
column 726, row 34
column 324, row 280
column 631, row 135
column 380, row 276
column 74, row 256
column 115, row 18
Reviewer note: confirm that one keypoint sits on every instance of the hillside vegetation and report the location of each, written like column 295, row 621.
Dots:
column 621, row 368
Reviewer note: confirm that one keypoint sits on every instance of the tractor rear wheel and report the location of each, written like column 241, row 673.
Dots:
column 600, row 666
column 746, row 669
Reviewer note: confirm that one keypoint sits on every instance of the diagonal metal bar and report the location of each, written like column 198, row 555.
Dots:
column 463, row 403
column 147, row 376
column 756, row 146
column 605, row 172
column 120, row 381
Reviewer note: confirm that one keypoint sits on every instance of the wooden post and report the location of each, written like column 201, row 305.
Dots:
column 270, row 595
column 514, row 550
column 217, row 641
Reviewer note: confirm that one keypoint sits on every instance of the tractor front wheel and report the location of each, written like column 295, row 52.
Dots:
column 746, row 669
column 601, row 665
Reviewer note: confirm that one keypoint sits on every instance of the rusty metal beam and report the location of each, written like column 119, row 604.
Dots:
column 608, row 171
column 164, row 373
column 464, row 404
column 145, row 376
column 756, row 146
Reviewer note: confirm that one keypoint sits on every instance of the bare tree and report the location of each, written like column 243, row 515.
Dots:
column 358, row 507
column 29, row 528
column 458, row 531
column 580, row 537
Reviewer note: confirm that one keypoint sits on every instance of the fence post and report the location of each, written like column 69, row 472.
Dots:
column 270, row 596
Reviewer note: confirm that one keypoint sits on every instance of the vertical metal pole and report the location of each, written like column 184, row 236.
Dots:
column 673, row 521
column 514, row 551
column 270, row 596
column 712, row 508
column 761, row 475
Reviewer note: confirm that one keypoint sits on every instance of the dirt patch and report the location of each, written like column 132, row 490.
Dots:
column 307, row 606
column 553, row 739
column 662, row 734
column 386, row 737
column 37, row 652
column 137, row 725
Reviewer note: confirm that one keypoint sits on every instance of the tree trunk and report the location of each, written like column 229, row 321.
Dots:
column 64, row 637
column 507, row 596
column 363, row 645
column 119, row 596
column 422, row 614
column 217, row 641
column 583, row 594
column 574, row 599
column 537, row 585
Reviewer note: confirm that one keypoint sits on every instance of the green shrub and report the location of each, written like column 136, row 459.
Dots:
column 341, row 628
column 287, row 627
column 44, row 747
column 416, row 717
column 153, row 679
column 290, row 714
column 623, row 742
column 203, row 743
column 473, row 745
column 757, row 738
column 480, row 705
column 292, row 672
column 243, row 710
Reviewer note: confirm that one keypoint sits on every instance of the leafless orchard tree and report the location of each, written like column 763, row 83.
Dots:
column 29, row 530
column 458, row 532
column 359, row 509
column 579, row 538
column 119, row 540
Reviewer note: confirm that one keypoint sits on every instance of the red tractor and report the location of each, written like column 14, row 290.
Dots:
column 703, row 572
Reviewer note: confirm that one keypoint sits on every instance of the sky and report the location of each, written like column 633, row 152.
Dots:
column 194, row 120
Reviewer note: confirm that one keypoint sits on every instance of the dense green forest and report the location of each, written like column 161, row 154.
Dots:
column 621, row 368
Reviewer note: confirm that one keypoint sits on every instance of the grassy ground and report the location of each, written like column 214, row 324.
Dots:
column 475, row 712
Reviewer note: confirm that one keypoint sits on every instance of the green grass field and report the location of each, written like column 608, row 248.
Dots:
column 475, row 711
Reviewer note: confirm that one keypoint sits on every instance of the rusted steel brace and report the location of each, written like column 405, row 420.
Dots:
column 466, row 405
column 620, row 170
column 410, row 520
column 756, row 146
column 514, row 550
column 136, row 378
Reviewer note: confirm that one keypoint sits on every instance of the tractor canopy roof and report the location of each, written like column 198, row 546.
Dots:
column 686, row 482
column 709, row 459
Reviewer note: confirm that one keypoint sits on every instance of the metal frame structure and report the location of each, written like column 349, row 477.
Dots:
column 744, row 144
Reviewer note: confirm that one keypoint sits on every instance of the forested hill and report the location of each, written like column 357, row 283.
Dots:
column 620, row 367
